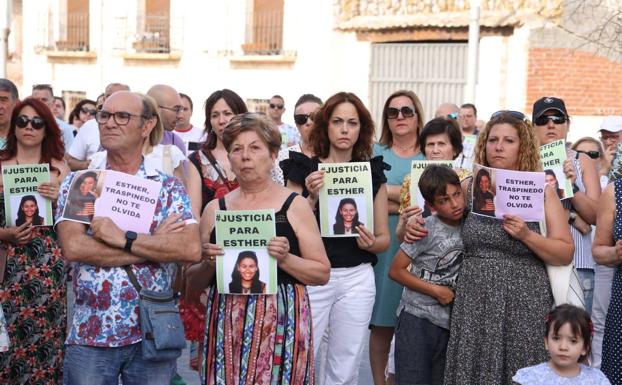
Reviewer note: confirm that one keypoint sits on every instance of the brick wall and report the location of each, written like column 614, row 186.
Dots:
column 588, row 83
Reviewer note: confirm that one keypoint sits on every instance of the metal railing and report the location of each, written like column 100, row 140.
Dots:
column 264, row 33
column 63, row 32
column 149, row 34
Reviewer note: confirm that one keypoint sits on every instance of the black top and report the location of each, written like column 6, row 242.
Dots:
column 341, row 251
column 283, row 229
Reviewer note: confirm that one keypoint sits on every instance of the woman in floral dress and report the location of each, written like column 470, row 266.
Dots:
column 32, row 292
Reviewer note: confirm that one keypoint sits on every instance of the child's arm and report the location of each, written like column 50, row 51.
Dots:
column 400, row 274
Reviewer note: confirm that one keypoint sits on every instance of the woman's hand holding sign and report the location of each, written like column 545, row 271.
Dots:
column 48, row 190
column 278, row 247
column 366, row 238
column 314, row 183
column 19, row 235
column 515, row 226
column 570, row 171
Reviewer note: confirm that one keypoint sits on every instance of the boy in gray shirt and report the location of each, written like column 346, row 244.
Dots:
column 422, row 328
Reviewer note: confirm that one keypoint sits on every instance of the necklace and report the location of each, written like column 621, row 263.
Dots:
column 403, row 148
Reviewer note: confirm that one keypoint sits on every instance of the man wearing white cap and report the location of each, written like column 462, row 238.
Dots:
column 610, row 136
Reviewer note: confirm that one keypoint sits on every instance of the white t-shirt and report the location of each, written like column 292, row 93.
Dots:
column 195, row 134
column 86, row 143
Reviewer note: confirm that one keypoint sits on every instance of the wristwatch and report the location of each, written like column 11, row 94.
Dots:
column 130, row 237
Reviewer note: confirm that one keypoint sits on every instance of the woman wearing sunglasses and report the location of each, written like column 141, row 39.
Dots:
column 306, row 105
column 551, row 123
column 33, row 290
column 343, row 132
column 402, row 121
column 84, row 111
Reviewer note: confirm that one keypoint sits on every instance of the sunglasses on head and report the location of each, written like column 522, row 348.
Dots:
column 36, row 122
column 591, row 154
column 301, row 119
column 516, row 114
column 544, row 119
column 273, row 106
column 393, row 113
column 452, row 116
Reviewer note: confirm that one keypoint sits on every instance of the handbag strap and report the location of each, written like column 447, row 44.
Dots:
column 216, row 167
column 132, row 278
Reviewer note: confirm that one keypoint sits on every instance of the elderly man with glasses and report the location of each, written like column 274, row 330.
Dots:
column 105, row 342
column 170, row 110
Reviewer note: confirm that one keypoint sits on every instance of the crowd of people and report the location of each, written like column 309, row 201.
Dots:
column 448, row 296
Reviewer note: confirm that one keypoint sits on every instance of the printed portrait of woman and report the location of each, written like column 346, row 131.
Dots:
column 346, row 218
column 245, row 275
column 483, row 197
column 81, row 201
column 29, row 212
column 551, row 179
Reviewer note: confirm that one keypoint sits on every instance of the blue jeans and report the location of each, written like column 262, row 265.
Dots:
column 420, row 351
column 586, row 278
column 91, row 365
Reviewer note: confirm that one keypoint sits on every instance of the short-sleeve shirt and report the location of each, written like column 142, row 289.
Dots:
column 435, row 259
column 542, row 374
column 170, row 137
column 67, row 130
column 105, row 313
column 86, row 143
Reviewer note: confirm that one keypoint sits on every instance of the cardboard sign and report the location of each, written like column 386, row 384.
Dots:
column 129, row 201
column 497, row 192
column 246, row 267
column 552, row 157
column 346, row 200
column 466, row 158
column 22, row 202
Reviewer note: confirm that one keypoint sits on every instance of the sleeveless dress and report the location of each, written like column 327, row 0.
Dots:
column 612, row 341
column 389, row 292
column 502, row 296
column 260, row 339
column 34, row 301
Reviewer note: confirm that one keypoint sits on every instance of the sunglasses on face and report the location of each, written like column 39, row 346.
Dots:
column 36, row 122
column 273, row 106
column 543, row 120
column 88, row 111
column 516, row 114
column 591, row 154
column 393, row 113
column 301, row 119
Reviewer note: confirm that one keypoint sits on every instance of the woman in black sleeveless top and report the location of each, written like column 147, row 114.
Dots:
column 261, row 338
column 343, row 132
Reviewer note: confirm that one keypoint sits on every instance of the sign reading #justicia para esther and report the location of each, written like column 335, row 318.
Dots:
column 346, row 200
column 246, row 267
column 22, row 202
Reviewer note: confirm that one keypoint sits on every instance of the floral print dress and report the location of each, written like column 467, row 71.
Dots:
column 34, row 302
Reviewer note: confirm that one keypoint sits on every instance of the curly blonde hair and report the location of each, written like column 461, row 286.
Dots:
column 529, row 146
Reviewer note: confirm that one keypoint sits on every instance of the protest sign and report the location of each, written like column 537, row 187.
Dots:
column 22, row 202
column 128, row 200
column 466, row 157
column 497, row 192
column 416, row 169
column 246, row 267
column 552, row 157
column 346, row 200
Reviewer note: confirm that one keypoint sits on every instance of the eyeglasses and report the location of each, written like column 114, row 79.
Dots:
column 591, row 154
column 36, row 122
column 544, row 119
column 301, row 119
column 279, row 106
column 175, row 109
column 393, row 113
column 88, row 111
column 516, row 114
column 452, row 116
column 121, row 118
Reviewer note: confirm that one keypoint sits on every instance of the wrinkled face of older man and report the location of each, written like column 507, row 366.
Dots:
column 122, row 128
